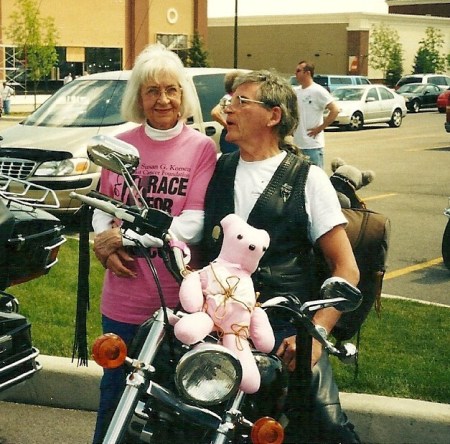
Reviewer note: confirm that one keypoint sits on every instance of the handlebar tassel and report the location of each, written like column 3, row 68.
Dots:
column 80, row 341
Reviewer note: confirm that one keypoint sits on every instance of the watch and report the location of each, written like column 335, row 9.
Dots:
column 322, row 331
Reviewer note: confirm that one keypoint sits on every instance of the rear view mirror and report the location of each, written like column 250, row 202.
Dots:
column 113, row 154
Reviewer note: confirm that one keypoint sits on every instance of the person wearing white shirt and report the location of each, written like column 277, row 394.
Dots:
column 313, row 100
column 7, row 92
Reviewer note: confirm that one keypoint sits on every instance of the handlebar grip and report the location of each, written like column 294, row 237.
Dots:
column 107, row 207
column 147, row 221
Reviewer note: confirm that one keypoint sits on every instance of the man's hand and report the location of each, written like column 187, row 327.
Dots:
column 312, row 132
column 287, row 352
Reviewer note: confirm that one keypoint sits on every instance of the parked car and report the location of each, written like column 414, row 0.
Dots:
column 447, row 119
column 331, row 82
column 440, row 80
column 442, row 100
column 365, row 104
column 419, row 95
column 49, row 146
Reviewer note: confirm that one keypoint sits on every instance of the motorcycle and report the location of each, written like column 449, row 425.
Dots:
column 179, row 393
column 446, row 238
column 30, row 238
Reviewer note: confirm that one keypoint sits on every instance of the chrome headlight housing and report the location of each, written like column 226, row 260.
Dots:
column 68, row 167
column 208, row 374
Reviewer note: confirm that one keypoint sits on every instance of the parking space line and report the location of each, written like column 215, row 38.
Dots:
column 380, row 196
column 410, row 269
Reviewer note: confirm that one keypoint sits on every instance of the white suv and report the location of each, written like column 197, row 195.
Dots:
column 440, row 80
column 49, row 146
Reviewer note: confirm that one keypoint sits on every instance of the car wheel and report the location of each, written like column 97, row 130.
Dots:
column 415, row 106
column 446, row 246
column 356, row 122
column 396, row 119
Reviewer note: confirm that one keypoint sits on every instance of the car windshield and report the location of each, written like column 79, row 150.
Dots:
column 82, row 103
column 411, row 88
column 346, row 94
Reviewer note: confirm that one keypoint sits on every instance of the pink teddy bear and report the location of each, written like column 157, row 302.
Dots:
column 221, row 297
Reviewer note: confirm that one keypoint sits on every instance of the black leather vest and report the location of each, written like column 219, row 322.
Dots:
column 287, row 266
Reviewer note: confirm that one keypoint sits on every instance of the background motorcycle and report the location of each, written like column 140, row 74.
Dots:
column 446, row 239
column 30, row 238
column 190, row 394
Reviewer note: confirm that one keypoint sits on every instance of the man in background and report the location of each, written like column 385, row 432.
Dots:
column 313, row 99
column 7, row 92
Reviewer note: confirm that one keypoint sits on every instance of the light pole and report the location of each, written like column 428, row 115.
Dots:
column 235, row 34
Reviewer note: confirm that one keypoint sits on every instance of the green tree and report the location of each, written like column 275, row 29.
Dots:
column 196, row 55
column 35, row 39
column 386, row 52
column 395, row 66
column 429, row 58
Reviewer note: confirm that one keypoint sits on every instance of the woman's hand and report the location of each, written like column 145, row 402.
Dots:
column 287, row 352
column 109, row 251
column 116, row 263
column 106, row 243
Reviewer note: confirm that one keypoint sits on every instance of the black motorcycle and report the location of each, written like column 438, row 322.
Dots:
column 190, row 394
column 30, row 238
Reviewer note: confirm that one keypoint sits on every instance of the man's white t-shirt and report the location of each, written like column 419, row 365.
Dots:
column 312, row 102
column 322, row 205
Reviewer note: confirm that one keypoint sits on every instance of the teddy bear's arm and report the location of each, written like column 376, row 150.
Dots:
column 191, row 294
column 261, row 331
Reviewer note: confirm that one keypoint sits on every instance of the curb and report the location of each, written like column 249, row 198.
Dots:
column 378, row 419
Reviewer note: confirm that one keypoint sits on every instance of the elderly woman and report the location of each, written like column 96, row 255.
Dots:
column 176, row 164
column 272, row 188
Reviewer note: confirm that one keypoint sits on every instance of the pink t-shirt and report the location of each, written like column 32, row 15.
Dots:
column 172, row 176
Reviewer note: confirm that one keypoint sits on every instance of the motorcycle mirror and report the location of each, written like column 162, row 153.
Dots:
column 113, row 154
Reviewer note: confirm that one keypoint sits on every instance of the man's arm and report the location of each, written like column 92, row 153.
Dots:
column 333, row 111
column 338, row 253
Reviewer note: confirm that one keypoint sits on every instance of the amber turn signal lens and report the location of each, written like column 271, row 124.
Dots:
column 109, row 351
column 267, row 431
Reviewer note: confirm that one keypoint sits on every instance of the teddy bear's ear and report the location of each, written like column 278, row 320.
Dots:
column 230, row 219
column 336, row 163
column 367, row 177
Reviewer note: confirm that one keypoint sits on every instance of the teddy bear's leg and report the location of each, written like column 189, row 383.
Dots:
column 261, row 331
column 251, row 378
column 191, row 294
column 193, row 328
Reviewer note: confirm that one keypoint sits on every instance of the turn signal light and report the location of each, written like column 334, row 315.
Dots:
column 267, row 431
column 109, row 351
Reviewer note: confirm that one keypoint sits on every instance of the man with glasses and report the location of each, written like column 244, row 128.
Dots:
column 313, row 100
column 272, row 188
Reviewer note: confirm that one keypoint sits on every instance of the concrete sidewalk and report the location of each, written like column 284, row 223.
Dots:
column 378, row 419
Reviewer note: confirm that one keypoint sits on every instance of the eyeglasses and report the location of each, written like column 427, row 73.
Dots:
column 171, row 92
column 239, row 101
column 300, row 70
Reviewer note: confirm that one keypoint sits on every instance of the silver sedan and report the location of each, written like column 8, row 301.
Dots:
column 365, row 104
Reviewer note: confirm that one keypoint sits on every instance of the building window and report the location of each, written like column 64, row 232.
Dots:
column 173, row 41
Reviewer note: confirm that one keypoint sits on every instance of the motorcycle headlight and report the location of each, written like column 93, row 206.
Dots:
column 66, row 167
column 208, row 374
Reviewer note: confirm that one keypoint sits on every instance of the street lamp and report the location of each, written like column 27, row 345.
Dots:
column 235, row 34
